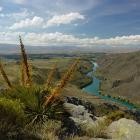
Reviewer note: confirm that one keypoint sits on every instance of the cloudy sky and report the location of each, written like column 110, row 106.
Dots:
column 84, row 23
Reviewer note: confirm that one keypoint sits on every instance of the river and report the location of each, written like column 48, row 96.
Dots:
column 94, row 89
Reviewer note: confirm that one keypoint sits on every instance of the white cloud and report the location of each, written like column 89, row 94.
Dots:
column 18, row 15
column 1, row 8
column 60, row 39
column 56, row 38
column 34, row 22
column 2, row 15
column 41, row 23
column 19, row 1
column 64, row 19
column 10, row 37
column 120, row 40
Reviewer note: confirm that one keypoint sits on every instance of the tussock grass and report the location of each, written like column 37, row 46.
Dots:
column 94, row 130
column 98, row 129
column 50, row 130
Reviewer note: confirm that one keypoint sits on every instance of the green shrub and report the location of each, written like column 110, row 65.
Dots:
column 115, row 116
column 33, row 99
column 12, row 117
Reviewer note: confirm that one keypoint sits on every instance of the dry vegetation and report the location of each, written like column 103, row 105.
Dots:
column 121, row 74
column 36, row 112
column 30, row 105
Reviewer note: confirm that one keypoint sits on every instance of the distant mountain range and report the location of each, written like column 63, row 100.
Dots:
column 12, row 49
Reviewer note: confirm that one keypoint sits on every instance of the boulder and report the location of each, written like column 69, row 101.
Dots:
column 79, row 114
column 124, row 129
column 86, row 123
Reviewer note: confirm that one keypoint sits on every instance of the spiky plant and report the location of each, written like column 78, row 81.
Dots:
column 25, row 64
column 56, row 91
column 5, row 76
column 33, row 99
column 37, row 103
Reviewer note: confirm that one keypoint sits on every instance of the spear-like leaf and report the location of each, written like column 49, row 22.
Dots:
column 23, row 75
column 62, row 83
column 25, row 64
column 5, row 76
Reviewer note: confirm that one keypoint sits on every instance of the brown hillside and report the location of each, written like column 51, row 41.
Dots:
column 121, row 74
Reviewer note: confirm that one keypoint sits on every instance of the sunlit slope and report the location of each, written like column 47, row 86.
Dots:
column 121, row 74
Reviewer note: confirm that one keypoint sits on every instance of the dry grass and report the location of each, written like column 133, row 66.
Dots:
column 95, row 130
column 48, row 131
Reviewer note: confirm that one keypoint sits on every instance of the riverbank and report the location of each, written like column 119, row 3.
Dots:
column 121, row 75
column 94, row 89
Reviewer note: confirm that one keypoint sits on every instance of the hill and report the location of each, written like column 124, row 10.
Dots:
column 121, row 75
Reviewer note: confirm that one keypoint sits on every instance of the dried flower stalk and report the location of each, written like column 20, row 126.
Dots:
column 62, row 83
column 25, row 64
column 5, row 76
column 23, row 75
column 50, row 77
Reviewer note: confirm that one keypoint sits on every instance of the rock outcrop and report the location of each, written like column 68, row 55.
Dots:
column 79, row 114
column 82, row 118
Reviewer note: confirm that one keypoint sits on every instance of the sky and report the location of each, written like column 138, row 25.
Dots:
column 82, row 23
